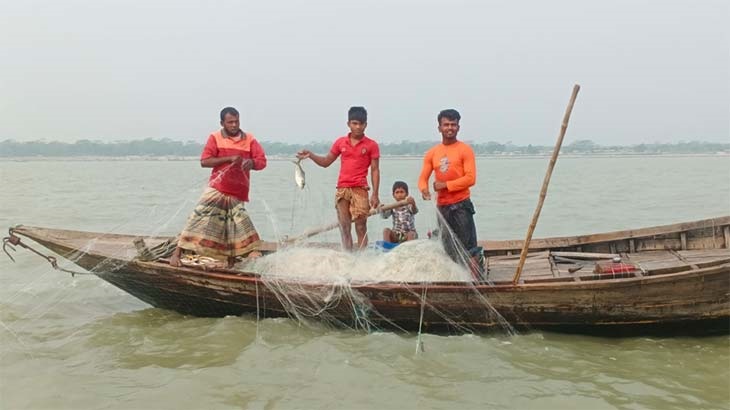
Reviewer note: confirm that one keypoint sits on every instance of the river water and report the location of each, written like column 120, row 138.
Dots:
column 81, row 343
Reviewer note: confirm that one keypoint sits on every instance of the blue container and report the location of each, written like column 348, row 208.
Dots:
column 385, row 246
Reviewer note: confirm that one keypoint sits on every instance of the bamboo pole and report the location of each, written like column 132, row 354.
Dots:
column 545, row 183
column 315, row 231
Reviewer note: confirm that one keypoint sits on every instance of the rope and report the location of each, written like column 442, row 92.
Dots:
column 419, row 342
column 12, row 240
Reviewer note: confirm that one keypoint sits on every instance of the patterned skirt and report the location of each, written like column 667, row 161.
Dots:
column 219, row 227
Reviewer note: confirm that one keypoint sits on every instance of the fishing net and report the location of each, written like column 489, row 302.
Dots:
column 317, row 283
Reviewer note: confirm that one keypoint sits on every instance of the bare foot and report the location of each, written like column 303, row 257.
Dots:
column 476, row 266
column 254, row 255
column 175, row 258
column 231, row 262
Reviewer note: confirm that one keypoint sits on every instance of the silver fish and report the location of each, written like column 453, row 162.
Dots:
column 299, row 174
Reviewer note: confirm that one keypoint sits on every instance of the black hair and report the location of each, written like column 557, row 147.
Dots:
column 450, row 114
column 400, row 184
column 357, row 114
column 229, row 110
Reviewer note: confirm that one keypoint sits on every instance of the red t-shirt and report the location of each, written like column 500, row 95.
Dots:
column 355, row 160
column 229, row 179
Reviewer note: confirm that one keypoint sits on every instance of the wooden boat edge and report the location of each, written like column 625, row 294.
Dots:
column 498, row 246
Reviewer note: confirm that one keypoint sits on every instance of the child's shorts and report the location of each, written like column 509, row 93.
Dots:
column 401, row 236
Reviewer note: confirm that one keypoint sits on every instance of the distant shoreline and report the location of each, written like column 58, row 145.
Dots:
column 407, row 157
column 171, row 150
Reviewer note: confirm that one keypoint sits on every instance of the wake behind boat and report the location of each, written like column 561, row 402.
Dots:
column 673, row 278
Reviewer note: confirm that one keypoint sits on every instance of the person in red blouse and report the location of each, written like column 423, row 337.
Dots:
column 220, row 226
column 358, row 153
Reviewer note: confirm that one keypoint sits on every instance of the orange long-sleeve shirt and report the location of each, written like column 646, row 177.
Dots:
column 453, row 164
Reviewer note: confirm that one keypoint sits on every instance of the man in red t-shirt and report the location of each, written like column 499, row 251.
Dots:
column 358, row 153
column 220, row 226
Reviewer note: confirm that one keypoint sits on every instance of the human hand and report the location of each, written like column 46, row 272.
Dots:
column 236, row 160
column 374, row 200
column 425, row 194
column 439, row 185
column 382, row 211
column 411, row 200
column 304, row 154
column 246, row 164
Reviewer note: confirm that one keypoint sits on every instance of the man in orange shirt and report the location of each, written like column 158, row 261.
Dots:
column 454, row 168
column 358, row 154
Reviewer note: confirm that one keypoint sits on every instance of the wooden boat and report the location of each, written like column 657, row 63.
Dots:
column 673, row 278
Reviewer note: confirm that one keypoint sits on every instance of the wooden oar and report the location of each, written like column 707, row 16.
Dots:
column 315, row 231
column 545, row 182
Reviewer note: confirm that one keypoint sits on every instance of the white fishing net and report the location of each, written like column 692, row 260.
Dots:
column 314, row 284
column 421, row 260
column 377, row 289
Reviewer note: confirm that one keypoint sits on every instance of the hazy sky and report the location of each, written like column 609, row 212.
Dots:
column 650, row 71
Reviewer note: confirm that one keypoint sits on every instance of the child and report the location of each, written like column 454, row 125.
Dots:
column 404, row 224
column 358, row 154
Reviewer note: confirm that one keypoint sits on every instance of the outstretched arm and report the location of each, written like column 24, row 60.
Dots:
column 322, row 160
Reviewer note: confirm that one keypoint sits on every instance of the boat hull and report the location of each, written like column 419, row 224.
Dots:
column 685, row 288
column 698, row 305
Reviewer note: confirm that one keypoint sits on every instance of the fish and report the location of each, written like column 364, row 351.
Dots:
column 299, row 174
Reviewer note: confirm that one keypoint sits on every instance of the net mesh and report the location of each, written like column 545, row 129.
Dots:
column 368, row 290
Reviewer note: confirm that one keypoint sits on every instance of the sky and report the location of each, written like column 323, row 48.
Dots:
column 650, row 71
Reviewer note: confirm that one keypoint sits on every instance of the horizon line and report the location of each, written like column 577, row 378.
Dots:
column 44, row 140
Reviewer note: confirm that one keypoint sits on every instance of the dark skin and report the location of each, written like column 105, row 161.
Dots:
column 400, row 194
column 231, row 129
column 449, row 129
column 357, row 132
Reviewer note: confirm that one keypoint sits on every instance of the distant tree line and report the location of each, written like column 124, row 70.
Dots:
column 167, row 147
